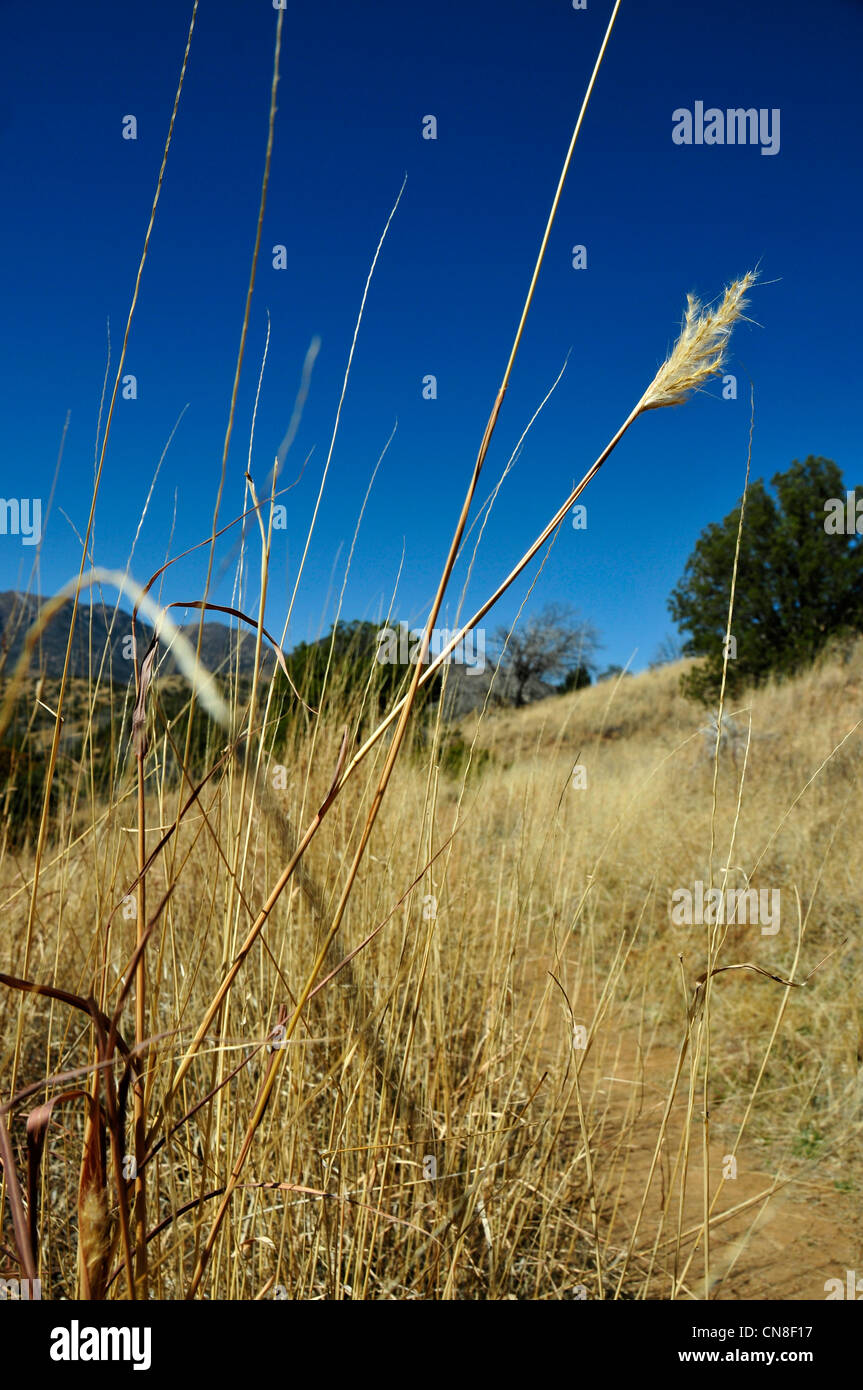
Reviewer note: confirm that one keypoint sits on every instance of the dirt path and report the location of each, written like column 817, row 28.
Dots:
column 782, row 1246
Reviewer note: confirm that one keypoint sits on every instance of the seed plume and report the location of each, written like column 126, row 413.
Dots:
column 700, row 351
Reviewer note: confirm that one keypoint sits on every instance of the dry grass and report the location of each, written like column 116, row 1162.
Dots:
column 445, row 1036
column 370, row 1030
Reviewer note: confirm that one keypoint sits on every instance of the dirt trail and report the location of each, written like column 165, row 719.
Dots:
column 779, row 1247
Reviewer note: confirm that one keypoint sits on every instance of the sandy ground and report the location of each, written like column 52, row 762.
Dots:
column 781, row 1244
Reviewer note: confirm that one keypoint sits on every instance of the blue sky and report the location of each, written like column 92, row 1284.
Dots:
column 505, row 81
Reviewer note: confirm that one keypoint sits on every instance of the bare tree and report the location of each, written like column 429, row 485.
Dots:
column 550, row 644
column 668, row 651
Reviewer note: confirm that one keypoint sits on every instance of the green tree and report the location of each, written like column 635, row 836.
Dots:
column 798, row 584
column 352, row 671
column 576, row 679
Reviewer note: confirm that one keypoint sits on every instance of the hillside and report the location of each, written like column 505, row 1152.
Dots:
column 538, row 933
column 648, row 709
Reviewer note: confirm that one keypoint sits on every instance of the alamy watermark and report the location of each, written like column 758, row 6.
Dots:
column 77, row 1343
column 844, row 515
column 401, row 647
column 21, row 517
column 20, row 1290
column 852, row 1287
column 746, row 906
column 734, row 126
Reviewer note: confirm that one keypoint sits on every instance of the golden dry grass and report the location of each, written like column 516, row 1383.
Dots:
column 445, row 1037
column 314, row 1019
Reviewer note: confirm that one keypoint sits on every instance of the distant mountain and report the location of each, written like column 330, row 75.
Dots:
column 100, row 630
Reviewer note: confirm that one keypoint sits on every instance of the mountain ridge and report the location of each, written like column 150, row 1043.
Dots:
column 112, row 627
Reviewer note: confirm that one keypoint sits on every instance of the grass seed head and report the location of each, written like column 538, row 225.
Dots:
column 700, row 351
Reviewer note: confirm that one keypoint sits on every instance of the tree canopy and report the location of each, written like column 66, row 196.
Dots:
column 799, row 580
column 356, row 659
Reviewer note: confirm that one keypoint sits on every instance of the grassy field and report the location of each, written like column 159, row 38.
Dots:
column 304, row 995
column 487, row 1099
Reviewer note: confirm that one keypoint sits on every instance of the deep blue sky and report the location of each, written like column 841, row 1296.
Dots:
column 505, row 79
